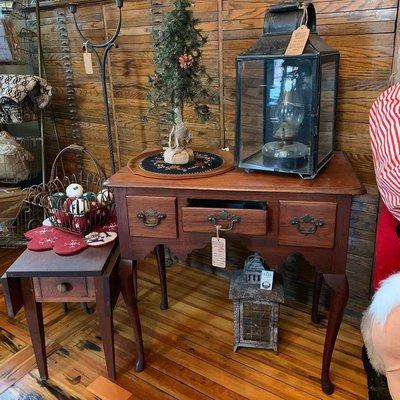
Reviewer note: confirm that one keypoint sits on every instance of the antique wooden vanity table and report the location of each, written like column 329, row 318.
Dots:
column 273, row 214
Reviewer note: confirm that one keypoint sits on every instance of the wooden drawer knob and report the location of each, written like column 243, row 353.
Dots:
column 63, row 287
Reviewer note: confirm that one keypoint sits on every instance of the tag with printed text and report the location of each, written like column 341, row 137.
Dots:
column 218, row 247
column 298, row 41
column 87, row 61
column 267, row 280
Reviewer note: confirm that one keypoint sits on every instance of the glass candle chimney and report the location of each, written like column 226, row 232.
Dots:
column 286, row 105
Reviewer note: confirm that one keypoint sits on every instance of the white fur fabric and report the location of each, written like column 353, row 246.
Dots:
column 384, row 301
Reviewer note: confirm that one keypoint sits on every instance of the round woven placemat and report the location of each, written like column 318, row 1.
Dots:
column 206, row 163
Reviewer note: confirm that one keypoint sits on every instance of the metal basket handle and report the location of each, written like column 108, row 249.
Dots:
column 76, row 148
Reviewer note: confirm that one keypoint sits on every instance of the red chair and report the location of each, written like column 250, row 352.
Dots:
column 387, row 247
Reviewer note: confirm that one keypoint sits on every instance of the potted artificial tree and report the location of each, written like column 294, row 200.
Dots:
column 180, row 79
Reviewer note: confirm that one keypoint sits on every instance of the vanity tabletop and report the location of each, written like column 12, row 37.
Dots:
column 338, row 177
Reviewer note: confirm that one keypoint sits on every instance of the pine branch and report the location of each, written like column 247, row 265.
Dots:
column 179, row 78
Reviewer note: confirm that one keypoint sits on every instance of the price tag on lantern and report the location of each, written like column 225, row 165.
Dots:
column 267, row 280
column 298, row 41
column 218, row 250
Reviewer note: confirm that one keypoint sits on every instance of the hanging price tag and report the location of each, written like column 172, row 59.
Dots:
column 298, row 41
column 218, row 250
column 267, row 280
column 87, row 62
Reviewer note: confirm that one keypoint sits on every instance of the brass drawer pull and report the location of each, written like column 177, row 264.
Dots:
column 224, row 216
column 307, row 225
column 64, row 287
column 151, row 217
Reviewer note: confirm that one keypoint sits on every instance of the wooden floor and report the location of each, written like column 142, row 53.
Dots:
column 188, row 348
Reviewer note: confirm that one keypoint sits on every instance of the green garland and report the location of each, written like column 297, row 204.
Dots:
column 179, row 77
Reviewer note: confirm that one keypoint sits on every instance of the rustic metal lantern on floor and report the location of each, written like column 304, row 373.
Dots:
column 286, row 104
column 255, row 311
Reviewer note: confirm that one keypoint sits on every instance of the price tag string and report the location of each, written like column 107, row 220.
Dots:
column 304, row 18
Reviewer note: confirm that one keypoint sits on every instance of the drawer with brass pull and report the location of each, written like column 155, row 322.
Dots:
column 64, row 289
column 151, row 216
column 307, row 224
column 239, row 221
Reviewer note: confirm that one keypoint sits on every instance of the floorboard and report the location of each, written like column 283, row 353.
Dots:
column 188, row 349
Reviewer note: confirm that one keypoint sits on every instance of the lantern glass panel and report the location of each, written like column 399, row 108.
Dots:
column 327, row 107
column 277, row 114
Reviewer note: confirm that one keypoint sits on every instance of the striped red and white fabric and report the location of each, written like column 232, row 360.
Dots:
column 384, row 121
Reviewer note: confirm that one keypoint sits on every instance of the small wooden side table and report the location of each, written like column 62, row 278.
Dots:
column 96, row 274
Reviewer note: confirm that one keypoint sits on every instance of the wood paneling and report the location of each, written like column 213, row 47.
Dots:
column 363, row 31
column 188, row 350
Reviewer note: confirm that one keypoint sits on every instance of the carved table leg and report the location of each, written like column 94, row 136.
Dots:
column 160, row 255
column 126, row 277
column 316, row 296
column 135, row 278
column 339, row 295
column 105, row 315
column 34, row 317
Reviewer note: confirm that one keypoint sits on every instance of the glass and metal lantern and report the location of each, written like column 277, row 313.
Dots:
column 285, row 117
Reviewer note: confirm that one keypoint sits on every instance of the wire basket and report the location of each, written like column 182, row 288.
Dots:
column 12, row 231
column 81, row 214
column 17, row 42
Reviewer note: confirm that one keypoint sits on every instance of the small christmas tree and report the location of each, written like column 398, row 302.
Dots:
column 179, row 77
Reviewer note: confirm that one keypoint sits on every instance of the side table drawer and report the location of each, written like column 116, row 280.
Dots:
column 307, row 224
column 240, row 221
column 63, row 289
column 153, row 217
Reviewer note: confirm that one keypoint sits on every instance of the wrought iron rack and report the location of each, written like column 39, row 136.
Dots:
column 102, row 62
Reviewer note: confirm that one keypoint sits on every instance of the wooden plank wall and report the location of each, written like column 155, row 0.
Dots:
column 362, row 30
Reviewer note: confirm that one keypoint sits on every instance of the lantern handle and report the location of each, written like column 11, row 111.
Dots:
column 288, row 16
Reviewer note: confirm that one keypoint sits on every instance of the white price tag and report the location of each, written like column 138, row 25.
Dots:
column 267, row 280
column 87, row 61
column 218, row 246
column 298, row 41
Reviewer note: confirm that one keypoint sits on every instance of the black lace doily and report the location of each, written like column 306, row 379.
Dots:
column 203, row 162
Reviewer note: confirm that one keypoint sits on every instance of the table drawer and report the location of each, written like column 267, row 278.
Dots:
column 64, row 288
column 152, row 216
column 307, row 224
column 241, row 221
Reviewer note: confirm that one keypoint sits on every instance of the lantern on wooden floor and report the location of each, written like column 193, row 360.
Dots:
column 286, row 97
column 255, row 311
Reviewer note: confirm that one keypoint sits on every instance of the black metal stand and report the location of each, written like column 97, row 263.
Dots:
column 88, row 45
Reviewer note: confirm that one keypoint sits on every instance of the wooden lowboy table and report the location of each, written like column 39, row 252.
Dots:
column 273, row 214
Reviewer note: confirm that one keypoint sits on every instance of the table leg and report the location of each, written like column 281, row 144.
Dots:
column 160, row 255
column 127, row 272
column 316, row 296
column 339, row 295
column 104, row 312
column 34, row 317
